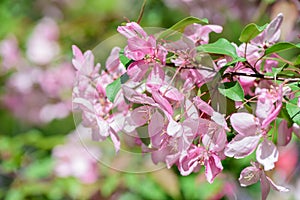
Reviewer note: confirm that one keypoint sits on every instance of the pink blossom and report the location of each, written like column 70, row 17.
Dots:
column 213, row 138
column 197, row 156
column 257, row 46
column 92, row 100
column 207, row 109
column 250, row 132
column 113, row 64
column 84, row 63
column 199, row 33
column 265, row 109
column 173, row 141
column 271, row 34
column 141, row 48
column 253, row 174
column 132, row 30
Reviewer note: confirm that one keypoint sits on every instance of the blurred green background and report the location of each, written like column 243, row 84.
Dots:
column 36, row 122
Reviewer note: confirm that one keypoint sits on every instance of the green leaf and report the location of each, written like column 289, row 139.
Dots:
column 124, row 60
column 180, row 26
column 293, row 110
column 250, row 32
column 281, row 46
column 275, row 71
column 297, row 61
column 295, row 89
column 236, row 60
column 110, row 184
column 192, row 188
column 289, row 73
column 13, row 194
column 232, row 90
column 130, row 196
column 39, row 169
column 144, row 186
column 285, row 115
column 124, row 78
column 112, row 89
column 222, row 46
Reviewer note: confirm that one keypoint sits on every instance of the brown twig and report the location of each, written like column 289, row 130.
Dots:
column 258, row 75
column 141, row 12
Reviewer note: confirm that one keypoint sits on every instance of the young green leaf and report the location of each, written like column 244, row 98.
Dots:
column 221, row 46
column 124, row 78
column 289, row 74
column 281, row 46
column 297, row 61
column 250, row 32
column 236, row 60
column 180, row 26
column 276, row 71
column 232, row 90
column 294, row 112
column 112, row 89
column 124, row 60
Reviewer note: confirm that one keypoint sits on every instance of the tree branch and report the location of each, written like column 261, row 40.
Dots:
column 288, row 80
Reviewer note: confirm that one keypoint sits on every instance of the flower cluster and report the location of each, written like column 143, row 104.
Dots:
column 177, row 90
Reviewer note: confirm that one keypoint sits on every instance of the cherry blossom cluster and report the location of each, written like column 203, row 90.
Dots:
column 175, row 90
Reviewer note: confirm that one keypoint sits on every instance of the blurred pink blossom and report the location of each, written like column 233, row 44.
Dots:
column 38, row 96
column 10, row 53
column 73, row 159
column 42, row 46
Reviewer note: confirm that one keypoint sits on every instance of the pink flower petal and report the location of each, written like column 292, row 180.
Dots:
column 220, row 120
column 215, row 138
column 172, row 159
column 137, row 70
column 277, row 187
column 156, row 124
column 213, row 167
column 135, row 97
column 132, row 29
column 190, row 162
column 174, row 128
column 203, row 106
column 284, row 133
column 171, row 93
column 241, row 146
column 191, row 110
column 265, row 186
column 267, row 154
column 249, row 176
column 164, row 103
column 264, row 108
column 116, row 141
column 244, row 123
column 140, row 115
